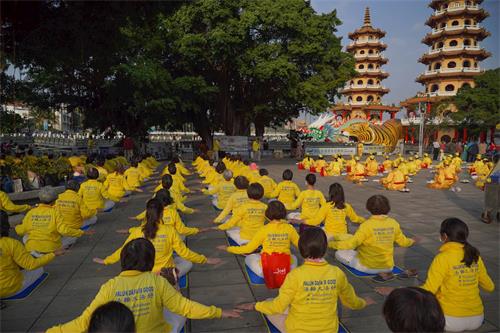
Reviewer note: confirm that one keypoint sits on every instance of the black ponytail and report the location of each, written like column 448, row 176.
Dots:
column 336, row 195
column 457, row 231
column 154, row 214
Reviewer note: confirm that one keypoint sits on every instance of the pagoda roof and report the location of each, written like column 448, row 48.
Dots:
column 479, row 33
column 367, row 28
column 435, row 4
column 439, row 74
column 421, row 99
column 367, row 107
column 479, row 14
column 451, row 52
column 359, row 45
column 356, row 89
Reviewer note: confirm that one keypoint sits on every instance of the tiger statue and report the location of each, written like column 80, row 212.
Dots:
column 388, row 134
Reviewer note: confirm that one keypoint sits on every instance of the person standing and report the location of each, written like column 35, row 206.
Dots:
column 256, row 149
column 435, row 149
column 472, row 151
column 128, row 148
column 216, row 149
column 482, row 148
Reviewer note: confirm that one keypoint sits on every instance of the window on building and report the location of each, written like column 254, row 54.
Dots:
column 440, row 45
column 370, row 51
column 453, row 43
column 378, row 82
column 370, row 81
column 370, row 66
column 449, row 87
column 362, row 52
column 467, row 42
column 361, row 66
column 434, row 88
column 455, row 23
column 359, row 99
column 452, row 64
column 370, row 98
column 442, row 25
column 360, row 82
column 466, row 64
column 467, row 22
column 349, row 99
column 437, row 65
column 378, row 99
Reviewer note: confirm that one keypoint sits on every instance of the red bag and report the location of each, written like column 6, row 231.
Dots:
column 424, row 165
column 312, row 169
column 301, row 166
column 275, row 267
column 381, row 168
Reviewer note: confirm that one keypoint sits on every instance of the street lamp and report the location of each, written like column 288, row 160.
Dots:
column 421, row 129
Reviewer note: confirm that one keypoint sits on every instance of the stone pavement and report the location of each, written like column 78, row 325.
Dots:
column 74, row 279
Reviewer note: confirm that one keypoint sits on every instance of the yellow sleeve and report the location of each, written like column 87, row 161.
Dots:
column 181, row 207
column 401, row 239
column 181, row 227
column 186, row 253
column 226, row 211
column 7, row 205
column 485, row 281
column 435, row 274
column 322, row 199
column 85, row 211
column 279, row 304
column 297, row 190
column 238, row 215
column 350, row 243
column 21, row 228
column 64, row 230
column 141, row 216
column 176, row 303
column 276, row 191
column 25, row 260
column 256, row 241
column 294, row 237
column 347, row 294
column 212, row 191
column 81, row 323
column 322, row 215
column 351, row 214
column 298, row 202
column 115, row 256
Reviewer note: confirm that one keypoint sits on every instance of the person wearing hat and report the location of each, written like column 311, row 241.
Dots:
column 320, row 163
column 307, row 162
column 426, row 161
column 395, row 180
column 358, row 172
column 371, row 166
column 43, row 226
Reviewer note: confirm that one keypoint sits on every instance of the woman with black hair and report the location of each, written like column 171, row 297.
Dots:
column 165, row 239
column 145, row 293
column 335, row 212
column 112, row 317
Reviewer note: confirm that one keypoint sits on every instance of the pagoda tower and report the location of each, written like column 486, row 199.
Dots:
column 454, row 51
column 365, row 91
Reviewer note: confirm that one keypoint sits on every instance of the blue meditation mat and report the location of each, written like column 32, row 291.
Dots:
column 231, row 241
column 272, row 329
column 109, row 209
column 183, row 329
column 85, row 228
column 183, row 282
column 26, row 292
column 217, row 209
column 254, row 278
column 396, row 270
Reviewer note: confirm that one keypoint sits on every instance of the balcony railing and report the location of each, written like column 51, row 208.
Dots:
column 364, row 86
column 453, row 70
column 370, row 56
column 456, row 27
column 454, row 48
column 370, row 71
column 442, row 93
column 455, row 8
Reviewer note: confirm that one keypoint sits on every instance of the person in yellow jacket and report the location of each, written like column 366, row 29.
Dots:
column 482, row 174
column 286, row 191
column 371, row 249
column 19, row 268
column 307, row 162
column 320, row 163
column 248, row 218
column 310, row 202
column 334, row 168
column 445, row 176
column 477, row 163
column 180, row 166
column 310, row 294
column 133, row 175
column 267, row 182
column 116, row 185
column 387, row 163
column 412, row 166
column 371, row 166
column 334, row 214
column 216, row 149
column 357, row 172
column 426, row 162
column 43, row 225
column 350, row 164
column 236, row 200
column 395, row 180
column 256, row 150
column 167, row 183
column 8, row 206
column 276, row 237
column 144, row 170
column 165, row 240
column 94, row 193
column 178, row 179
column 457, row 161
column 147, row 294
column 456, row 276
column 74, row 212
column 222, row 191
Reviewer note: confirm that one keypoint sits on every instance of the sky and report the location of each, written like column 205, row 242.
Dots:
column 404, row 23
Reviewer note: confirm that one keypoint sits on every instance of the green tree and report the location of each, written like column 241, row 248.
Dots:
column 478, row 108
column 11, row 122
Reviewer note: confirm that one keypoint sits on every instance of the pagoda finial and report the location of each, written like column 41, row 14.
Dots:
column 367, row 21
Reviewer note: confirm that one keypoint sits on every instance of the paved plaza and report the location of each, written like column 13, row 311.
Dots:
column 74, row 279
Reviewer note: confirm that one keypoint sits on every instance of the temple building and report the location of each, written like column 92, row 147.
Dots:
column 364, row 92
column 454, row 55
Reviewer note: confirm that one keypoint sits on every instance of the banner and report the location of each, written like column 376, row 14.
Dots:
column 315, row 151
column 233, row 143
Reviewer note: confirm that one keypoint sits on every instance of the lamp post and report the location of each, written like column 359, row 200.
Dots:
column 421, row 130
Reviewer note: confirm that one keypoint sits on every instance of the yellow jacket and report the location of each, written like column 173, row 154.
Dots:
column 250, row 217
column 310, row 292
column 144, row 170
column 93, row 194
column 223, row 190
column 335, row 218
column 133, row 177
column 237, row 199
column 286, row 191
column 73, row 209
column 387, row 165
column 427, row 160
column 276, row 236
column 171, row 217
column 455, row 285
column 44, row 227
column 165, row 243
column 116, row 185
column 374, row 241
column 103, row 174
column 13, row 257
column 8, row 206
column 255, row 145
column 180, row 166
column 310, row 202
column 146, row 294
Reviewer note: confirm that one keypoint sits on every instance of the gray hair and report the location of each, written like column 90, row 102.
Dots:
column 227, row 174
column 47, row 195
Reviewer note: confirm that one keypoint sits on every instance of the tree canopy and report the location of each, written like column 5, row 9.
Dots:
column 479, row 107
column 218, row 64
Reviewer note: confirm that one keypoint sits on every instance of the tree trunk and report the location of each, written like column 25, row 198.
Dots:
column 202, row 127
column 259, row 128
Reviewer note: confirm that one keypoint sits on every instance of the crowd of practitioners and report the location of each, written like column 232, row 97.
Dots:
column 263, row 219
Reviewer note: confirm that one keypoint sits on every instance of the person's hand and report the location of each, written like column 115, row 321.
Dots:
column 231, row 314
column 89, row 232
column 369, row 300
column 122, row 231
column 222, row 247
column 246, row 306
column 60, row 252
column 417, row 239
column 132, row 218
column 206, row 229
column 214, row 261
column 139, row 190
column 98, row 261
column 384, row 291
